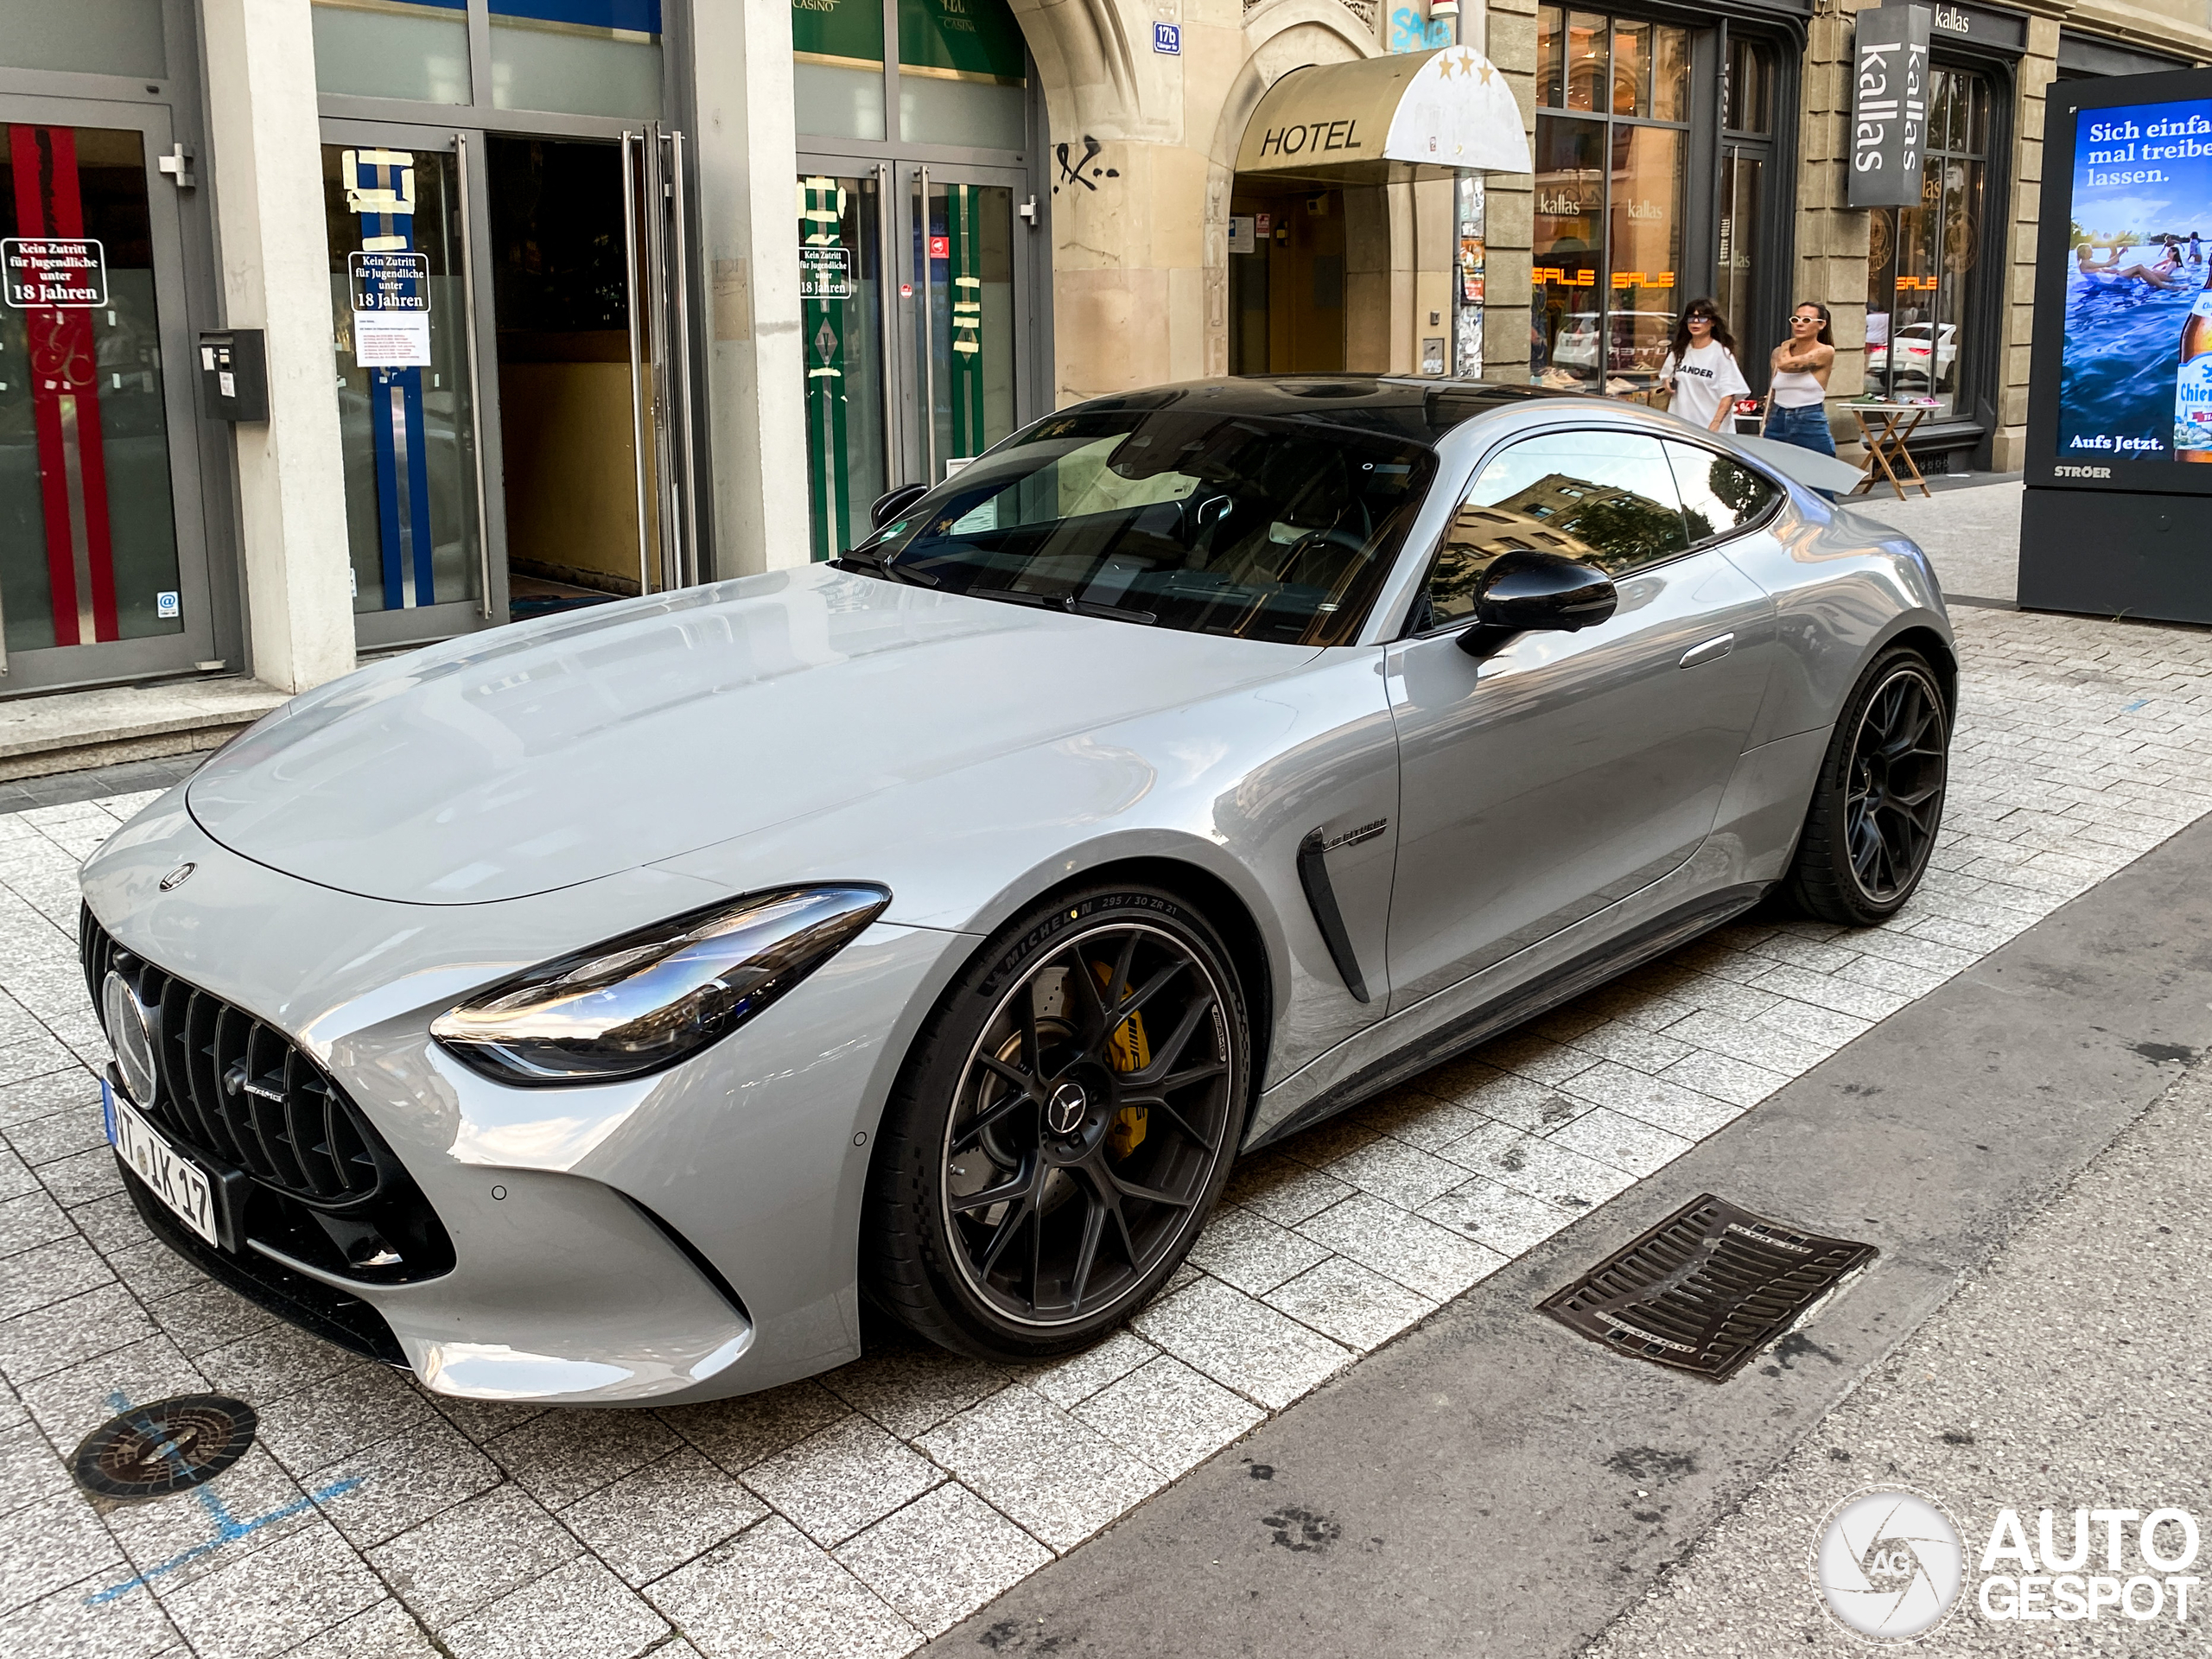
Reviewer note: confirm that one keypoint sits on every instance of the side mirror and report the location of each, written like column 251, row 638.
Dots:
column 1528, row 592
column 889, row 506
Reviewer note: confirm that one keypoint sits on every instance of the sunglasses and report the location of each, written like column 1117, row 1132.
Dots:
column 1807, row 322
column 1703, row 316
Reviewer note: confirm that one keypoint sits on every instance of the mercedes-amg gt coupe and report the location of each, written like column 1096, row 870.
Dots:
column 601, row 1009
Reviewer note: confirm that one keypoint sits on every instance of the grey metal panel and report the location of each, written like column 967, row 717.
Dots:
column 1541, row 786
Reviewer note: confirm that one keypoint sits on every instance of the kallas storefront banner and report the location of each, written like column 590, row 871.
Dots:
column 1889, row 106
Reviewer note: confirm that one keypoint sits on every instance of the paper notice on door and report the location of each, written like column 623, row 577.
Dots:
column 391, row 339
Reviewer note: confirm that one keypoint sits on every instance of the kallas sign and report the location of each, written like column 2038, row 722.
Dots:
column 1889, row 106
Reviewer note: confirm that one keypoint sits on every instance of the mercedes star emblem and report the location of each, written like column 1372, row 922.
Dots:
column 177, row 877
column 130, row 1034
column 1063, row 1110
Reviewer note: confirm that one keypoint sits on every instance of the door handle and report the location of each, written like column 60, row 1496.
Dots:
column 1711, row 651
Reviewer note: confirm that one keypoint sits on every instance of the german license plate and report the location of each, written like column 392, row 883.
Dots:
column 172, row 1178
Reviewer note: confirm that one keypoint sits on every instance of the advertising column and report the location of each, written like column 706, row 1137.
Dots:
column 2119, row 419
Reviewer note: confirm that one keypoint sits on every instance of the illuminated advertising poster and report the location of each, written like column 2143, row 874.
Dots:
column 2135, row 373
column 2119, row 378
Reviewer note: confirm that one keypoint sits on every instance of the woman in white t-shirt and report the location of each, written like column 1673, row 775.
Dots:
column 1700, row 371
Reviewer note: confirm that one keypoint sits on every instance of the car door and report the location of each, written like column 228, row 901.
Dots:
column 1542, row 784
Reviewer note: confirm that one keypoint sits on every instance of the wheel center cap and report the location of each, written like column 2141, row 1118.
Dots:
column 1065, row 1108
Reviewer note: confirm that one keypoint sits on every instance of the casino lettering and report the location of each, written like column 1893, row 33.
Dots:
column 1314, row 135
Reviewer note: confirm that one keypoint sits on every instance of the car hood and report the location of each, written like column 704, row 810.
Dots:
column 555, row 752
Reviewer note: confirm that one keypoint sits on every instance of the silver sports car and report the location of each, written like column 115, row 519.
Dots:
column 599, row 1009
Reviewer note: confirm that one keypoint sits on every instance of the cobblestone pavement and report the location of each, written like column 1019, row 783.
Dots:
column 861, row 1512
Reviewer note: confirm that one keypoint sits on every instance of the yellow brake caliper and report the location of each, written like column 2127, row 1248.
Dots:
column 1131, row 1052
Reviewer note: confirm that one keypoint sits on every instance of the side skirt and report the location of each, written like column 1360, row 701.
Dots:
column 1522, row 1003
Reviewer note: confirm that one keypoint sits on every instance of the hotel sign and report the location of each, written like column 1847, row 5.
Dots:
column 1888, row 107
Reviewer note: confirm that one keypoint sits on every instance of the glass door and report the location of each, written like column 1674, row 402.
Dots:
column 396, row 208
column 843, row 311
column 965, row 323
column 913, row 363
column 102, row 565
column 511, row 349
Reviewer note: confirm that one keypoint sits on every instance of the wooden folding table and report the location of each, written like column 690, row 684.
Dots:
column 1884, row 429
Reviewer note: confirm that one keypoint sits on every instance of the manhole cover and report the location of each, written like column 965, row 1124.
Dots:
column 152, row 1451
column 1706, row 1288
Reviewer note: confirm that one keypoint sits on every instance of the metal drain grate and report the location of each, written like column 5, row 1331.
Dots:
column 1706, row 1288
column 168, row 1446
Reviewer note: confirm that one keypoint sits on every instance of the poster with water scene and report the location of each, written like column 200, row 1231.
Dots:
column 2135, row 384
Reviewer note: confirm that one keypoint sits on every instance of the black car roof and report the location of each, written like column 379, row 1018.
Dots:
column 1403, row 406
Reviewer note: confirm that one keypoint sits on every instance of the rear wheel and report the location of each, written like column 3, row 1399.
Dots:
column 1879, row 800
column 1062, row 1129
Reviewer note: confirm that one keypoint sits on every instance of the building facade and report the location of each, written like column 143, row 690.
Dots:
column 393, row 320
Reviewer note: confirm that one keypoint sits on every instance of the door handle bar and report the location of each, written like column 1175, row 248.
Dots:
column 1711, row 651
column 475, row 377
column 636, row 369
column 887, row 231
column 929, row 334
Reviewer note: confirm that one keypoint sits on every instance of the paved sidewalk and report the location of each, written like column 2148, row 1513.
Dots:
column 861, row 1512
column 2073, row 1373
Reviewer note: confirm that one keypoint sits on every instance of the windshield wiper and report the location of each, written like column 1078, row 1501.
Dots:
column 1064, row 602
column 878, row 564
column 1095, row 607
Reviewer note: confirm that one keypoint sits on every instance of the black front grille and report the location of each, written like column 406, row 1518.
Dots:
column 238, row 1089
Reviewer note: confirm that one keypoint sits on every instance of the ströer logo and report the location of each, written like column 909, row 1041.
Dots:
column 1888, row 1564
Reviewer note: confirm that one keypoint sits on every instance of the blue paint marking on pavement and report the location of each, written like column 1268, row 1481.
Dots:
column 2139, row 702
column 228, row 1529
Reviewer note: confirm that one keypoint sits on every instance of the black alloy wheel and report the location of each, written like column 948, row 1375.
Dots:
column 1879, row 801
column 1062, row 1130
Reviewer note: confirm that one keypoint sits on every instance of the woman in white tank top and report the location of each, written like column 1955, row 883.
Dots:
column 1797, row 392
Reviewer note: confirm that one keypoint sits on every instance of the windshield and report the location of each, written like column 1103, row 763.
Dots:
column 1239, row 525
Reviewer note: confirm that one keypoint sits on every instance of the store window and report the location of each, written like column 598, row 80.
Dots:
column 963, row 75
column 113, row 37
column 1746, row 143
column 580, row 57
column 393, row 48
column 562, row 57
column 1921, row 260
column 1612, row 132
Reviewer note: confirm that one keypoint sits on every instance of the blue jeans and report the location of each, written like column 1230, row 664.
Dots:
column 1806, row 426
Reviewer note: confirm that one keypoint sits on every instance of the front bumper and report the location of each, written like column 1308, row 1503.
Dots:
column 684, row 1237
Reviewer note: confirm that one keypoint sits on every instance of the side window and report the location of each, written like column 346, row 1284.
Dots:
column 1720, row 495
column 1606, row 498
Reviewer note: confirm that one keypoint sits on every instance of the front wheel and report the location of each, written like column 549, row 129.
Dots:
column 1879, row 799
column 1062, row 1129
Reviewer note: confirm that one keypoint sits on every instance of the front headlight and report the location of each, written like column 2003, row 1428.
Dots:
column 643, row 1001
